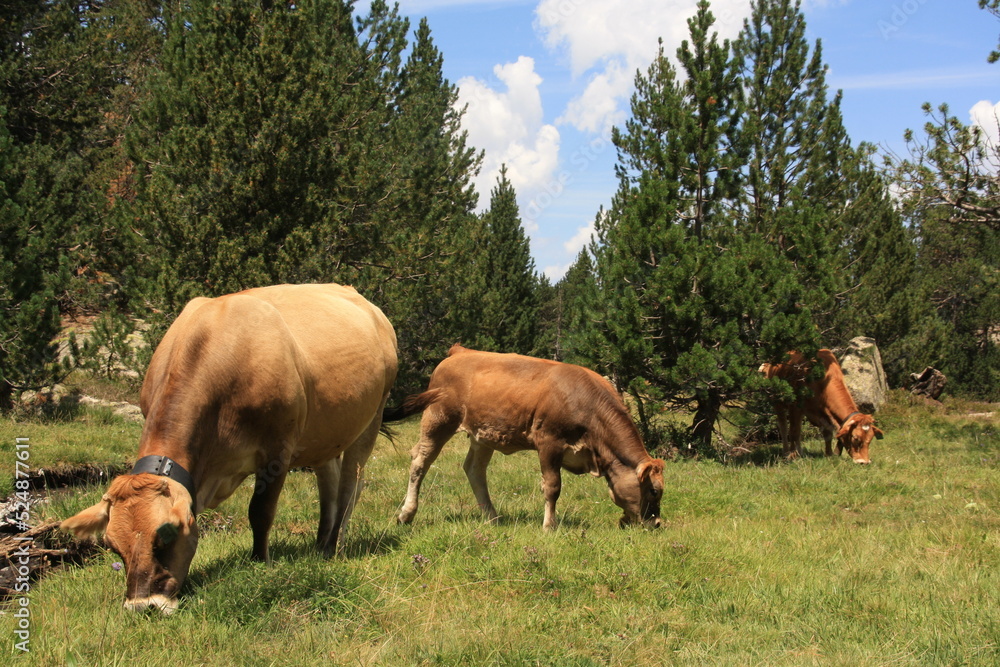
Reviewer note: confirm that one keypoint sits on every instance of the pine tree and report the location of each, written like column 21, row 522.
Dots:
column 29, row 315
column 52, row 86
column 428, row 214
column 668, row 266
column 884, row 299
column 501, row 302
column 293, row 143
column 951, row 193
column 257, row 149
column 549, row 325
column 722, row 246
column 578, row 339
column 799, row 153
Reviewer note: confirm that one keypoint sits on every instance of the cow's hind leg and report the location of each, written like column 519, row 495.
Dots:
column 351, row 476
column 264, row 505
column 328, row 483
column 436, row 428
column 476, row 462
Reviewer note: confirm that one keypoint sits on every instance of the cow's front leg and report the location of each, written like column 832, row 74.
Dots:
column 795, row 434
column 264, row 505
column 328, row 483
column 781, row 414
column 476, row 462
column 828, row 438
column 551, row 485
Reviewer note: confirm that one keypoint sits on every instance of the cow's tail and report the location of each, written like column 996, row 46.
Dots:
column 411, row 406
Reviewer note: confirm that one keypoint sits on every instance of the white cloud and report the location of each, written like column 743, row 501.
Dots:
column 616, row 38
column 580, row 240
column 986, row 115
column 555, row 272
column 597, row 109
column 508, row 126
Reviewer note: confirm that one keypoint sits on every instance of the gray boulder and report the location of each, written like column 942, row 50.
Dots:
column 863, row 373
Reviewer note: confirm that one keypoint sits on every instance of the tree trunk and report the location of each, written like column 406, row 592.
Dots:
column 705, row 417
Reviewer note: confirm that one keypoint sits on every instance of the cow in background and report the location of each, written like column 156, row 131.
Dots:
column 826, row 403
column 256, row 382
column 569, row 415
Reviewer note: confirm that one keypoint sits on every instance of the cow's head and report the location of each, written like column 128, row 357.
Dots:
column 147, row 520
column 855, row 436
column 639, row 494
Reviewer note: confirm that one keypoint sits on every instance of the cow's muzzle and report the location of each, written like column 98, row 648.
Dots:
column 154, row 603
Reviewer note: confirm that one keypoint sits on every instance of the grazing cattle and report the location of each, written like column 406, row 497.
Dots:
column 826, row 403
column 254, row 382
column 508, row 403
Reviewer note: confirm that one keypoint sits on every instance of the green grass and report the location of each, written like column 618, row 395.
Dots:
column 818, row 561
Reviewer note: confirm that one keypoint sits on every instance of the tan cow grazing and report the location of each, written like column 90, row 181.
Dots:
column 826, row 403
column 249, row 383
column 571, row 416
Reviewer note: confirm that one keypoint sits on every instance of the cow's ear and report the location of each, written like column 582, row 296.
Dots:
column 647, row 468
column 845, row 428
column 90, row 521
column 878, row 433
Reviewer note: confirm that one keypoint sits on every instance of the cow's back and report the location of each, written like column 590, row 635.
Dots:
column 511, row 397
column 309, row 362
column 495, row 394
column 821, row 394
column 347, row 356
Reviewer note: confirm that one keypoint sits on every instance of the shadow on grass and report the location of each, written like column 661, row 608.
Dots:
column 516, row 518
column 233, row 588
column 286, row 553
column 240, row 591
column 768, row 455
column 370, row 545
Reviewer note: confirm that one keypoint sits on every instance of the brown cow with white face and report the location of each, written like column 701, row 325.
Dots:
column 570, row 415
column 826, row 403
column 256, row 382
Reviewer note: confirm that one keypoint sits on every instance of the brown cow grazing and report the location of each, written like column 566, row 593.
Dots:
column 826, row 403
column 255, row 382
column 508, row 403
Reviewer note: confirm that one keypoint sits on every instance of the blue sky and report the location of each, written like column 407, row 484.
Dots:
column 545, row 80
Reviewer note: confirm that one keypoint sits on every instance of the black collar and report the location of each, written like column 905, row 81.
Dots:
column 848, row 418
column 166, row 467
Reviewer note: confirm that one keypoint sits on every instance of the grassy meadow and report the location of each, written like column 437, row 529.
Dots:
column 818, row 561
